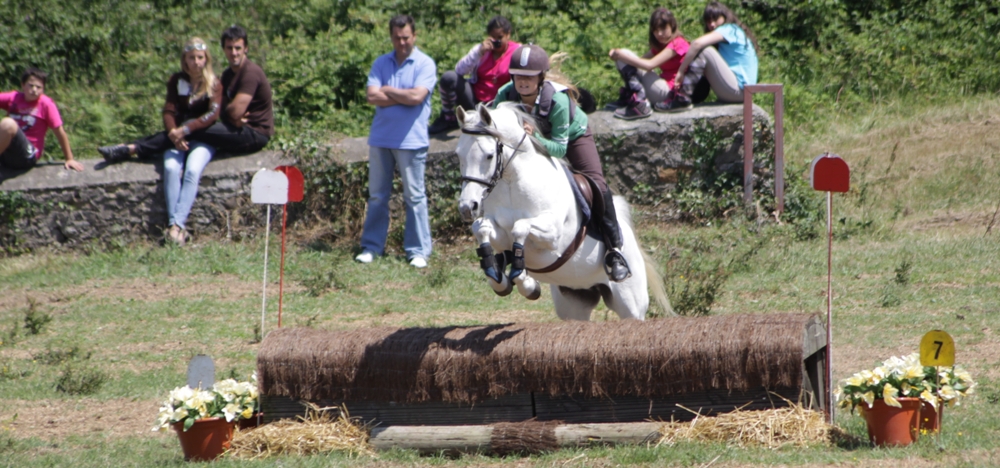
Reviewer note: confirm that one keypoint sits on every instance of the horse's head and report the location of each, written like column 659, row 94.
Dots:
column 480, row 153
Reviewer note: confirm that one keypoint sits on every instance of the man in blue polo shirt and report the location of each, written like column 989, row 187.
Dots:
column 399, row 86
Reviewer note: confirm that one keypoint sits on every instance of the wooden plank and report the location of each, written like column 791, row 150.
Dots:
column 503, row 409
column 635, row 409
column 814, row 364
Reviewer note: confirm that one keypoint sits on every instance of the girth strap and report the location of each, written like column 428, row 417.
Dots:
column 570, row 250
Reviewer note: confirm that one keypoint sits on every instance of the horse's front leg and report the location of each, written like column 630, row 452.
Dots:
column 542, row 230
column 493, row 265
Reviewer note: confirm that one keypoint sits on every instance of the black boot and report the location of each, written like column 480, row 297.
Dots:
column 614, row 262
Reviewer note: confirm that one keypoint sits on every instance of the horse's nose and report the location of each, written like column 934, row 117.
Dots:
column 468, row 210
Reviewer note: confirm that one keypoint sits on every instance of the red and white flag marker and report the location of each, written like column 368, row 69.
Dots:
column 829, row 173
column 278, row 187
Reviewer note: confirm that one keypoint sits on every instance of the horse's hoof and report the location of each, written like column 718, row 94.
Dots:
column 535, row 294
column 502, row 292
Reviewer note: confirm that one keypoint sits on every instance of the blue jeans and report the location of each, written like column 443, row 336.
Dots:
column 181, row 188
column 417, row 233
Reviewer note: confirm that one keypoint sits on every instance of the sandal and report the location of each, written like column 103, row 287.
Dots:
column 176, row 235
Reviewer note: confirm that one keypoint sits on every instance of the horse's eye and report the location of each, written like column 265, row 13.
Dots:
column 489, row 156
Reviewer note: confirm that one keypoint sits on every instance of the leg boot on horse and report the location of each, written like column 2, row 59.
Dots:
column 614, row 262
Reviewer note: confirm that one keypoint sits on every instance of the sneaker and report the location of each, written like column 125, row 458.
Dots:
column 445, row 122
column 418, row 262
column 114, row 153
column 365, row 257
column 636, row 110
column 665, row 104
column 679, row 103
column 624, row 98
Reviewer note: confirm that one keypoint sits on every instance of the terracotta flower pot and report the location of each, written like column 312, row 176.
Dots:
column 206, row 439
column 888, row 425
column 929, row 418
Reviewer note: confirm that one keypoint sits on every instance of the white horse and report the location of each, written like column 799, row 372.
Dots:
column 520, row 200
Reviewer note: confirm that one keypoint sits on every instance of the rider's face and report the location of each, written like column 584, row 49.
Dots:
column 526, row 85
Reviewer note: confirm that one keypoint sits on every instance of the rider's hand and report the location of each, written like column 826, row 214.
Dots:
column 529, row 129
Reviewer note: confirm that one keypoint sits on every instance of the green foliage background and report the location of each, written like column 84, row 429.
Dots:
column 109, row 59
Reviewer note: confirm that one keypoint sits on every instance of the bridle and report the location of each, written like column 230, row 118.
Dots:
column 500, row 167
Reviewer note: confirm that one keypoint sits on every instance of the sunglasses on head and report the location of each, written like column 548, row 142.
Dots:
column 190, row 47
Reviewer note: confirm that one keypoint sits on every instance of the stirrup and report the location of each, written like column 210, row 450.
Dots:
column 615, row 258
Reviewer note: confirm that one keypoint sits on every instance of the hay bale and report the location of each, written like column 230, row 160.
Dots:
column 648, row 359
column 523, row 438
column 319, row 432
column 794, row 425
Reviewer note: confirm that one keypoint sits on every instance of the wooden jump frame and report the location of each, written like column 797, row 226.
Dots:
column 779, row 141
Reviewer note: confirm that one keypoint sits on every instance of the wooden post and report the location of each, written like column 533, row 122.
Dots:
column 779, row 141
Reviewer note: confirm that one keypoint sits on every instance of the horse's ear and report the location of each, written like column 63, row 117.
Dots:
column 484, row 116
column 460, row 113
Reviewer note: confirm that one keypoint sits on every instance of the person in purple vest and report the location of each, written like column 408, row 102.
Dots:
column 400, row 84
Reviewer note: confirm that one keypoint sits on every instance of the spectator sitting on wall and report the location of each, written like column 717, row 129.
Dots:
column 30, row 115
column 487, row 65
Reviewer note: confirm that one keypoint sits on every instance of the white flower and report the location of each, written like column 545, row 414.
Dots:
column 231, row 411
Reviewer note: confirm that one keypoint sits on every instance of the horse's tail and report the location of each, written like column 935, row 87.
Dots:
column 654, row 280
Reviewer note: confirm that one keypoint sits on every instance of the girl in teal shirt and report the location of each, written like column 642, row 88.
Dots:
column 730, row 66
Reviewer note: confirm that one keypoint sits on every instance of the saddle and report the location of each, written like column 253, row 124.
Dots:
column 584, row 189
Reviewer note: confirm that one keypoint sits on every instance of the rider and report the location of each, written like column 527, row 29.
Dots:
column 554, row 100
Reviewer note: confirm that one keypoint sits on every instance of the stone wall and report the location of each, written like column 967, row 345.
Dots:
column 124, row 202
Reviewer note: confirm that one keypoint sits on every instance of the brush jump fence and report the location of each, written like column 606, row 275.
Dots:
column 543, row 384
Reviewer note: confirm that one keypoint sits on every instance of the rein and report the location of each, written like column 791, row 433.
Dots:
column 500, row 166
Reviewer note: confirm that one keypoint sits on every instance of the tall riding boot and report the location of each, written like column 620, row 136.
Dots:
column 614, row 262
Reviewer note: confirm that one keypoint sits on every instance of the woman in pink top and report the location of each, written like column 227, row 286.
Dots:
column 487, row 65
column 30, row 115
column 667, row 48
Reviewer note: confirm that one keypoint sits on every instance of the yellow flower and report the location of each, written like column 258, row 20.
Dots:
column 913, row 372
column 247, row 413
column 889, row 395
column 854, row 380
column 868, row 397
column 929, row 397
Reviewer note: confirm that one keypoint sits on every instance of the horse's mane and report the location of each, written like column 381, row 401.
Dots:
column 523, row 116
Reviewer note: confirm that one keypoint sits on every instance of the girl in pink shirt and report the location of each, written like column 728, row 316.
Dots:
column 487, row 65
column 30, row 115
column 667, row 48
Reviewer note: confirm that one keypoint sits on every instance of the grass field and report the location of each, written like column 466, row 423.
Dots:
column 916, row 248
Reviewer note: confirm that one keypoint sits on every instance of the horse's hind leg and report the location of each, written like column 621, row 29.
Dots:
column 574, row 304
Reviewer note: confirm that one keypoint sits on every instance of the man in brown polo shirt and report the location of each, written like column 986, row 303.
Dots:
column 247, row 120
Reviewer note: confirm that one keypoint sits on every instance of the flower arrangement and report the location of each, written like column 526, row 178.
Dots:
column 903, row 376
column 227, row 399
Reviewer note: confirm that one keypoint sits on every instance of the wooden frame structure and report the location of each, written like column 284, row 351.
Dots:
column 779, row 141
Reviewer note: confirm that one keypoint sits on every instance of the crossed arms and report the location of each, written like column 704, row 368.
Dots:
column 384, row 96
